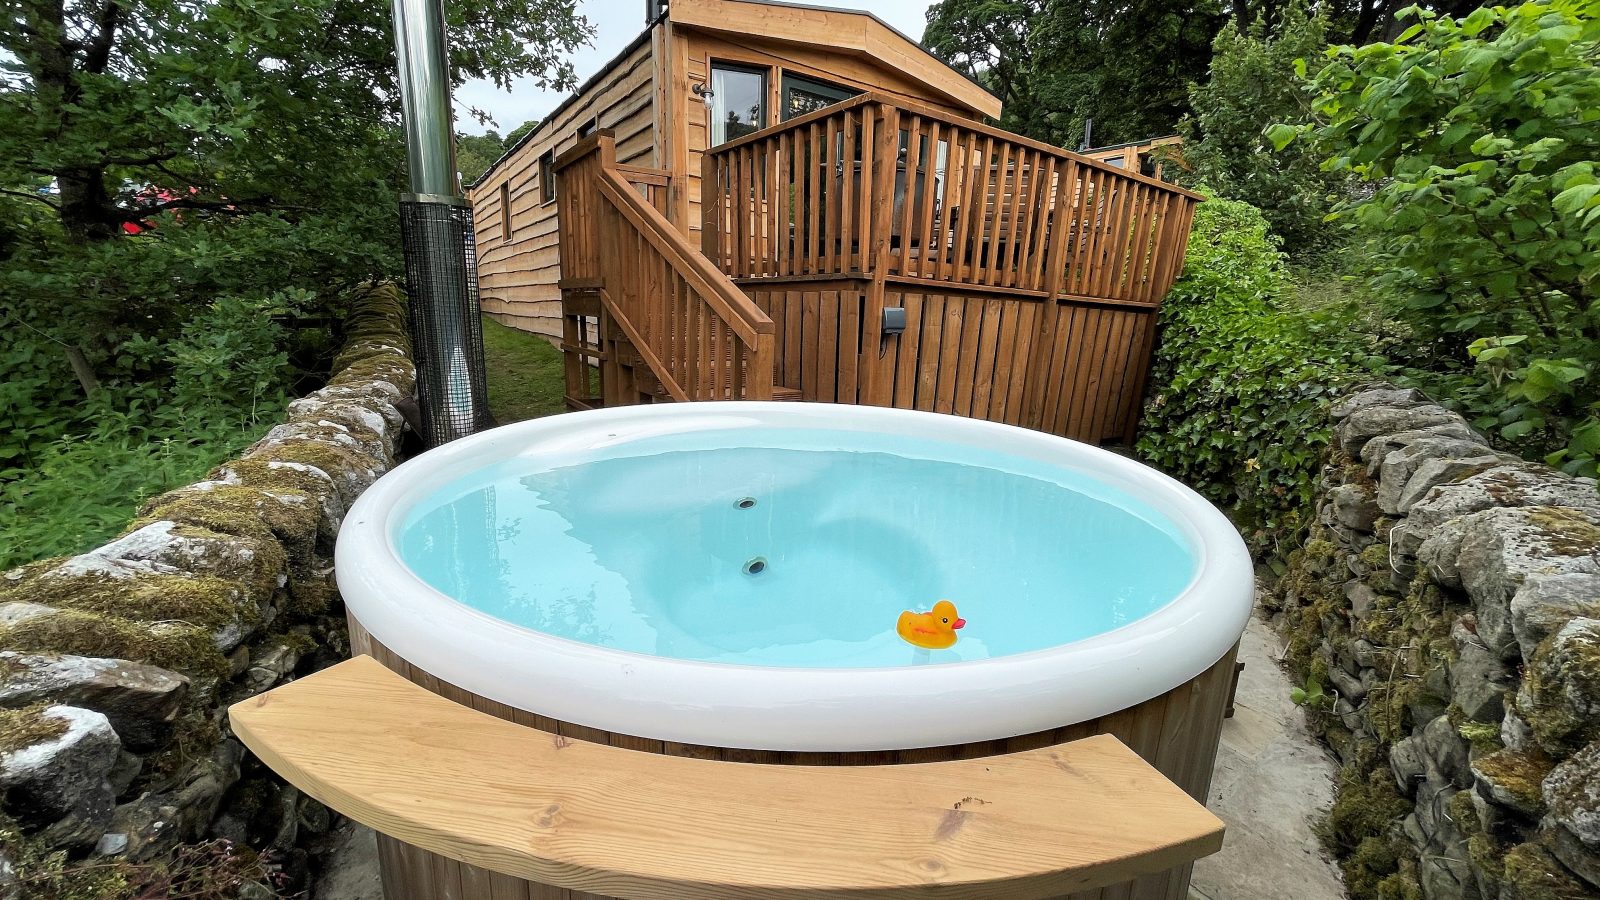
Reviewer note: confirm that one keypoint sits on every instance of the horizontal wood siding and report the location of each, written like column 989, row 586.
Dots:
column 517, row 278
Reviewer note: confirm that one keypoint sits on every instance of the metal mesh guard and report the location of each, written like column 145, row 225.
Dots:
column 442, row 280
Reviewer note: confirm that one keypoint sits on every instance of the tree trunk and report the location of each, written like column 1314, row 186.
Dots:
column 84, row 371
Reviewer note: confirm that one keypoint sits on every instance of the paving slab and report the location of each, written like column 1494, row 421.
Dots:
column 1273, row 780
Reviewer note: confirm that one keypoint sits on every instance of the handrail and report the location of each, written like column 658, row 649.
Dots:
column 931, row 112
column 733, row 305
column 686, row 323
column 879, row 188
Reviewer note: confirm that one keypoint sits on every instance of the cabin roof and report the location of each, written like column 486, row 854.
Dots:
column 859, row 32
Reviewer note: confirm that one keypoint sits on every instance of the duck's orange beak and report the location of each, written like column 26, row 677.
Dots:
column 959, row 623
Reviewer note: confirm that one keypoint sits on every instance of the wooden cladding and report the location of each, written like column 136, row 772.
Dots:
column 893, row 189
column 664, row 307
column 1068, row 367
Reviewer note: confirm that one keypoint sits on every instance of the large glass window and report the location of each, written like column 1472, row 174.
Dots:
column 738, row 102
column 803, row 95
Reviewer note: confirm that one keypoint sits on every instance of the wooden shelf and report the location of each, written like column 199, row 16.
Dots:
column 624, row 823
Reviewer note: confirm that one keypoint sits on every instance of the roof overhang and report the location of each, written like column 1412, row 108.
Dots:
column 855, row 32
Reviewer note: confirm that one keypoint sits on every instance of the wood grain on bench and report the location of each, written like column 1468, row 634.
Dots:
column 554, row 810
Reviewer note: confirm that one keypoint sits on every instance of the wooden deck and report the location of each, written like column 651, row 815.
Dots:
column 1029, row 277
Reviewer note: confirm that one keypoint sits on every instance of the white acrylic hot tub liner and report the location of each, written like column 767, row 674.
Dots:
column 778, row 708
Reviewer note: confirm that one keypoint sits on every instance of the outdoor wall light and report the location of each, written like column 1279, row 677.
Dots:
column 894, row 320
column 703, row 92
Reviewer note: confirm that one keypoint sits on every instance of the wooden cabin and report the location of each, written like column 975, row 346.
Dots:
column 1149, row 156
column 762, row 200
column 761, row 63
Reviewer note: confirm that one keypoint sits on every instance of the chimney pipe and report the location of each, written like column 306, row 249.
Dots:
column 436, row 228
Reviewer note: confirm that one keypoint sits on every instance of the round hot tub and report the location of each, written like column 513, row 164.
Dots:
column 730, row 580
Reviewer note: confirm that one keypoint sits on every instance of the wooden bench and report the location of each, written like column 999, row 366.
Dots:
column 623, row 823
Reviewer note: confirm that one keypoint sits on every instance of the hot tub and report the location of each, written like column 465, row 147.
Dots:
column 726, row 580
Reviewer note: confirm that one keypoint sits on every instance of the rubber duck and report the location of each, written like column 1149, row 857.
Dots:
column 931, row 630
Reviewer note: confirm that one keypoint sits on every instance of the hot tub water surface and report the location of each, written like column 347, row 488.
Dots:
column 794, row 547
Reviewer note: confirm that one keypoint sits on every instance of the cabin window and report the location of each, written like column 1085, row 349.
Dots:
column 588, row 128
column 505, row 210
column 547, row 176
column 803, row 95
column 738, row 102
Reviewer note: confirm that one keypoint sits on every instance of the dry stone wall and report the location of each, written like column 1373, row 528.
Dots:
column 1444, row 615
column 116, row 665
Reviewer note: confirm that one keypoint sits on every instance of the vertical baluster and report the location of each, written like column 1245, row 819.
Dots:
column 849, row 241
column 905, row 188
column 864, row 182
column 928, row 188
column 814, row 204
column 952, row 212
column 831, row 189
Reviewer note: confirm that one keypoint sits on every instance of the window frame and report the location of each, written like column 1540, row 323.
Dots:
column 787, row 79
column 505, row 211
column 547, row 177
column 749, row 68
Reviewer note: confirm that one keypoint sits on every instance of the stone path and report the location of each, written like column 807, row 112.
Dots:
column 1272, row 781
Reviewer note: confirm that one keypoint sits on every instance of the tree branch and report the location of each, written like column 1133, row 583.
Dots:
column 39, row 197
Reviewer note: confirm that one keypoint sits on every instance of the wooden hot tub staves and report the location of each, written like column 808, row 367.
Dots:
column 1176, row 733
column 474, row 806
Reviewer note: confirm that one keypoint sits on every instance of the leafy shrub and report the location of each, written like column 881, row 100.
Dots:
column 226, row 383
column 1242, row 377
column 1478, row 140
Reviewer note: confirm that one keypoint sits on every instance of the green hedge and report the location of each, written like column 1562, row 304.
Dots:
column 1242, row 376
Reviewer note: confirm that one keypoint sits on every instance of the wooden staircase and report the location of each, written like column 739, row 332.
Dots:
column 646, row 317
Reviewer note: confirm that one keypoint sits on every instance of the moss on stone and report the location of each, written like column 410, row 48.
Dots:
column 1366, row 804
column 261, row 473
column 1375, row 556
column 1320, row 550
column 21, row 728
column 1519, row 772
column 1549, row 678
column 1484, row 736
column 182, row 648
column 1402, row 885
column 1531, row 873
column 202, row 600
column 1373, row 864
column 287, row 516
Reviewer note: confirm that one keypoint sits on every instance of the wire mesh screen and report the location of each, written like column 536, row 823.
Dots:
column 442, row 279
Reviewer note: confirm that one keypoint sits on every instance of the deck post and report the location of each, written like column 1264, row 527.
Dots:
column 878, row 367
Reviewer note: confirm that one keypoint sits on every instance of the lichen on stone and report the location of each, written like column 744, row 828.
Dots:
column 1513, row 778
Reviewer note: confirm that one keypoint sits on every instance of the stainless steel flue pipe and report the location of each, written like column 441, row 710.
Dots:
column 436, row 228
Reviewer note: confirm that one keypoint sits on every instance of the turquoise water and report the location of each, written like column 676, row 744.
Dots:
column 650, row 546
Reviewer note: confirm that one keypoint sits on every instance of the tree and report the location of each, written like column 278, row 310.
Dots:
column 259, row 137
column 1477, row 140
column 1057, row 64
column 475, row 153
column 1257, row 80
column 1126, row 64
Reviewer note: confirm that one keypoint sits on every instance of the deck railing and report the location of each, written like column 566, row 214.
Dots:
column 699, row 334
column 908, row 191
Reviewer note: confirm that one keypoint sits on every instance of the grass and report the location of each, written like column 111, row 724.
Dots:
column 525, row 374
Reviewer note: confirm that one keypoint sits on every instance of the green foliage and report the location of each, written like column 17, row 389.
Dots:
column 1257, row 80
column 1311, row 696
column 475, row 153
column 1242, row 377
column 1478, row 140
column 1057, row 64
column 228, row 382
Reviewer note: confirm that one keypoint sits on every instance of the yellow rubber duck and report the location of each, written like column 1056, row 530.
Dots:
column 931, row 630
